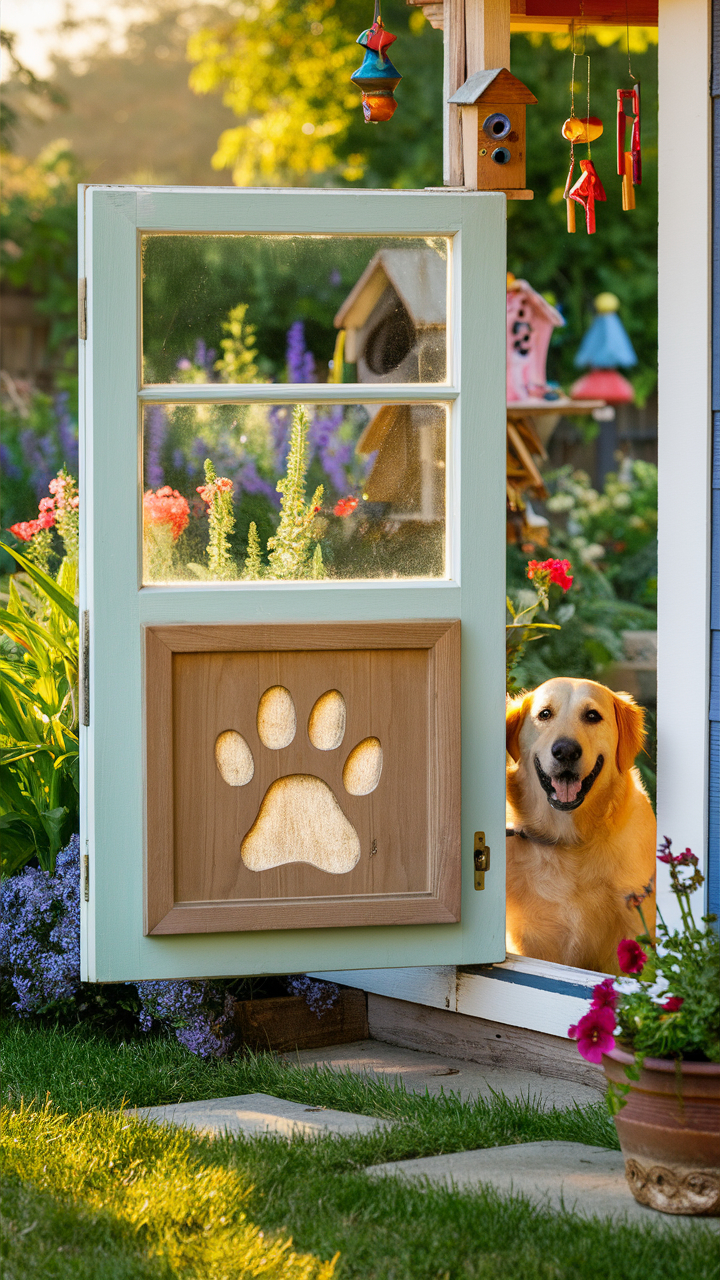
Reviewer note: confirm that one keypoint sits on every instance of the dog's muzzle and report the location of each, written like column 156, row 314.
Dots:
column 566, row 806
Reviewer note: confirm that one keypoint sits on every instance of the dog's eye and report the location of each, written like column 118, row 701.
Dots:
column 545, row 714
column 593, row 717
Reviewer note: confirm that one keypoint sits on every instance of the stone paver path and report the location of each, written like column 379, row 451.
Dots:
column 585, row 1180
column 256, row 1113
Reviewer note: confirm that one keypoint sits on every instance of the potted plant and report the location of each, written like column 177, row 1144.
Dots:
column 656, row 1032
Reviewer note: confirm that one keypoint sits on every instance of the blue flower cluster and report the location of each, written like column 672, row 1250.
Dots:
column 40, row 933
column 318, row 996
column 199, row 1012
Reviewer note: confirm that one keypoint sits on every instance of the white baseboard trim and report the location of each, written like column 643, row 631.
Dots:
column 520, row 992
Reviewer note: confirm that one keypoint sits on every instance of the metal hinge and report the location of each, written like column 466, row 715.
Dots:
column 482, row 859
column 86, row 878
column 85, row 668
column 82, row 308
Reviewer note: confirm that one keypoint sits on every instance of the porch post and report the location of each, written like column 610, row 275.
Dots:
column 477, row 37
column 684, row 263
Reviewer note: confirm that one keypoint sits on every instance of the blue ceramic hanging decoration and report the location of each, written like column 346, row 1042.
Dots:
column 377, row 78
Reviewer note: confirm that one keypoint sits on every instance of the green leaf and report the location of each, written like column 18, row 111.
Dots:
column 48, row 584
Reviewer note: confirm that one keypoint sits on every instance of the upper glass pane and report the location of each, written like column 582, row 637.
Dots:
column 276, row 492
column 294, row 308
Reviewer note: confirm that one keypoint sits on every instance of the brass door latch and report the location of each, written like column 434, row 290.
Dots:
column 482, row 859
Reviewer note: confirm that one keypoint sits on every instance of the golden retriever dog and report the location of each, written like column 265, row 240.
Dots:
column 580, row 827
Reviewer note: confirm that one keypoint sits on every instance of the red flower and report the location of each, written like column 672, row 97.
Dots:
column 605, row 996
column 673, row 1004
column 685, row 859
column 549, row 571
column 26, row 529
column 167, row 506
column 631, row 956
column 594, row 1033
column 345, row 506
column 208, row 491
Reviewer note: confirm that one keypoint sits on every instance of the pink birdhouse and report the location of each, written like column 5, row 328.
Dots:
column 530, row 322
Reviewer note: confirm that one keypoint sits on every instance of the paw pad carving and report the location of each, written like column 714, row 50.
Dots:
column 300, row 819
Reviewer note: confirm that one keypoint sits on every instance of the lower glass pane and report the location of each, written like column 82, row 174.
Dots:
column 289, row 492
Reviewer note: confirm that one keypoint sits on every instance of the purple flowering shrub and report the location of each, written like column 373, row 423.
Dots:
column 200, row 1013
column 40, row 971
column 40, row 934
column 318, row 996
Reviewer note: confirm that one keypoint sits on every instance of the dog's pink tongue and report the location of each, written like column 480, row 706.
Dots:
column 566, row 792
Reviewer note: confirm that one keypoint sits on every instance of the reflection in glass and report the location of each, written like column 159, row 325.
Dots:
column 291, row 308
column 281, row 492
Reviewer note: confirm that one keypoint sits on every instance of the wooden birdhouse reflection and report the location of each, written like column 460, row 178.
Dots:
column 395, row 326
column 394, row 318
column 493, row 130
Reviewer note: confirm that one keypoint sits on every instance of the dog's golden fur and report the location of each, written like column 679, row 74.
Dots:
column 575, row 873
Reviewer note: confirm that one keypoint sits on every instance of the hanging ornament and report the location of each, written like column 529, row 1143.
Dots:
column 377, row 77
column 604, row 350
column 629, row 162
column 582, row 129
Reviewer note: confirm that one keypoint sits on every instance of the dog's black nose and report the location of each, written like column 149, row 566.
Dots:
column 566, row 750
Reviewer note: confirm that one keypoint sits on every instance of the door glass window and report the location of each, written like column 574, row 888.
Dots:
column 251, row 308
column 280, row 491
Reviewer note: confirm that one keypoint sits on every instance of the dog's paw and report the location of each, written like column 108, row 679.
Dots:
column 300, row 819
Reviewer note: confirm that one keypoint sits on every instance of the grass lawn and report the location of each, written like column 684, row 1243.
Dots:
column 90, row 1193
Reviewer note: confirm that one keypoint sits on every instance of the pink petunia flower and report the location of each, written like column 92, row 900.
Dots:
column 605, row 996
column 673, row 1004
column 631, row 956
column 594, row 1033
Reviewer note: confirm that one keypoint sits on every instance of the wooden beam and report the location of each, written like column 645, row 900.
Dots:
column 487, row 35
column 454, row 37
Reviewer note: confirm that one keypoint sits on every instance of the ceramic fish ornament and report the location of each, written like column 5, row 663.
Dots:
column 377, row 78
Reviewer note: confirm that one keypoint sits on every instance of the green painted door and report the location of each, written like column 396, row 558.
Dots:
column 394, row 308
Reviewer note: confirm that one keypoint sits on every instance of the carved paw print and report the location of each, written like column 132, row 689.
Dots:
column 300, row 819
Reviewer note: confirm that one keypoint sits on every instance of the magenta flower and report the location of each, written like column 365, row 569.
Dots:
column 631, row 956
column 605, row 996
column 673, row 1004
column 594, row 1033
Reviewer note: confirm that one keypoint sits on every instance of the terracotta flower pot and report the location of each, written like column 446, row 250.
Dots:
column 669, row 1132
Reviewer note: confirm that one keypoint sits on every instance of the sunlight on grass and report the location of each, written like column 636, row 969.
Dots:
column 148, row 1179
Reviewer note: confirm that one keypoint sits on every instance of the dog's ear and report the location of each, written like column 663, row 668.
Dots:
column 515, row 712
column 630, row 720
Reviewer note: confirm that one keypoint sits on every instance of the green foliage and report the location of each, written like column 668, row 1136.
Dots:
column 616, row 530
column 292, row 553
column 687, row 963
column 285, row 73
column 254, row 568
column 38, row 253
column 39, row 782
column 239, row 359
column 221, row 520
column 166, row 1203
column 387, row 1229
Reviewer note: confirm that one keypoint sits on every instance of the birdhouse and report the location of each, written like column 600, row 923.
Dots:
column 493, row 129
column 395, row 318
column 605, row 348
column 530, row 323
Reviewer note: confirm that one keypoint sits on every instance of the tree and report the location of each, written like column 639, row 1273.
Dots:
column 284, row 70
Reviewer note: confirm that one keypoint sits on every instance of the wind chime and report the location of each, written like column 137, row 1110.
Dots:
column 629, row 163
column 377, row 78
column 588, row 188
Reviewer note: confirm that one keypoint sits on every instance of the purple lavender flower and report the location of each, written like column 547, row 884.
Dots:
column 335, row 454
column 335, row 278
column 67, row 432
column 300, row 361
column 204, row 356
column 7, row 466
column 156, row 426
column 247, row 478
column 318, row 996
column 40, row 933
column 39, row 455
